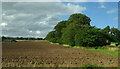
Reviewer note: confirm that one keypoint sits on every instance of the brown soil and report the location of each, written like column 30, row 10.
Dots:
column 44, row 54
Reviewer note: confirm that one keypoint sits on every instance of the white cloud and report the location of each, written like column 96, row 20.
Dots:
column 38, row 32
column 111, row 11
column 101, row 5
column 34, row 18
column 30, row 31
column 76, row 8
column 3, row 24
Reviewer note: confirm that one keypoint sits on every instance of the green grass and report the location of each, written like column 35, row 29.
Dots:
column 101, row 50
column 104, row 50
column 90, row 66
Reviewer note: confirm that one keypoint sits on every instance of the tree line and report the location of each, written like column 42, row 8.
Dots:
column 77, row 31
column 20, row 38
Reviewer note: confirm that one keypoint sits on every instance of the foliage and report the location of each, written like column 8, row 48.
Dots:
column 79, row 19
column 90, row 66
column 78, row 31
column 13, row 39
column 55, row 36
column 107, row 29
column 115, row 33
column 92, row 37
column 68, row 35
column 51, row 36
column 58, row 28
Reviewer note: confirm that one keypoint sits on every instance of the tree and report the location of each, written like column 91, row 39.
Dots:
column 90, row 36
column 115, row 33
column 50, row 36
column 59, row 27
column 107, row 29
column 68, row 35
column 78, row 31
column 79, row 19
column 75, row 22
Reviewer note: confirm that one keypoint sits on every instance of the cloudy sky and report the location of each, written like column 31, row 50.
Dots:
column 36, row 19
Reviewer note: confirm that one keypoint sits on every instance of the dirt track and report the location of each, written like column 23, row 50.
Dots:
column 44, row 54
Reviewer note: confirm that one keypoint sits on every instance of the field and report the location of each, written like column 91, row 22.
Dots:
column 45, row 54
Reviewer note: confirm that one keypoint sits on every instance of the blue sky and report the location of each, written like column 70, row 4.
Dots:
column 101, row 14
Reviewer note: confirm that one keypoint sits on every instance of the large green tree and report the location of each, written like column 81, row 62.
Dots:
column 78, row 31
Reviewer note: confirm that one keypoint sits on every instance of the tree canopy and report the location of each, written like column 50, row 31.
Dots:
column 78, row 31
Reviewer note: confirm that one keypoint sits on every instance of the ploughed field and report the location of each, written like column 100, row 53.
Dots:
column 44, row 54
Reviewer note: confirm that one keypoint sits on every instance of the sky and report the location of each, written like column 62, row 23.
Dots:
column 36, row 19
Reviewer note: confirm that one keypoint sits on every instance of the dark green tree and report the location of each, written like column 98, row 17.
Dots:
column 68, row 35
column 107, row 29
column 50, row 36
column 90, row 36
column 115, row 34
column 79, row 19
column 78, row 31
column 59, row 27
column 75, row 22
